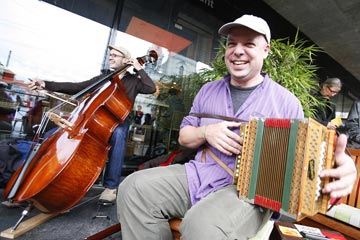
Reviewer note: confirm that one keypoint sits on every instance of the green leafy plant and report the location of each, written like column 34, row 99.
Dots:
column 291, row 64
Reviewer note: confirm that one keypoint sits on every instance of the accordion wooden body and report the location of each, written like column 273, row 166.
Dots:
column 280, row 164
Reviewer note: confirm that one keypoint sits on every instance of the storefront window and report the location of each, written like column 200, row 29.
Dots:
column 68, row 42
column 183, row 40
column 41, row 40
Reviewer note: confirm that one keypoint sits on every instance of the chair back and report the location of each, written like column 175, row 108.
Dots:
column 353, row 199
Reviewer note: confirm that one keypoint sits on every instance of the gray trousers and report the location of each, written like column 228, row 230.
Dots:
column 147, row 199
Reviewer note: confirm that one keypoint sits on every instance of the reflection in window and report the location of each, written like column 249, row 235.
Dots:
column 181, row 70
column 53, row 43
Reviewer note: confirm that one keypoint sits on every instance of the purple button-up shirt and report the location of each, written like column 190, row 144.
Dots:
column 269, row 99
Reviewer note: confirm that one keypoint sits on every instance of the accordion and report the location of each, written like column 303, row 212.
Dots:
column 280, row 163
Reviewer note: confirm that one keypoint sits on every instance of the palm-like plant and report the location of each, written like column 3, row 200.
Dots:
column 291, row 65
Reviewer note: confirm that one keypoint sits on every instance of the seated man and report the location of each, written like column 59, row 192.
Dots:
column 201, row 191
column 136, row 83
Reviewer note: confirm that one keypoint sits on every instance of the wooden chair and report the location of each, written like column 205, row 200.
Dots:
column 174, row 226
column 354, row 198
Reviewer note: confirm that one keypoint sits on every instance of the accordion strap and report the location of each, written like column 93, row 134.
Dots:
column 221, row 163
column 225, row 118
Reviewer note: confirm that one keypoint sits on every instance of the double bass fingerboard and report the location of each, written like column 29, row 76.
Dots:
column 280, row 164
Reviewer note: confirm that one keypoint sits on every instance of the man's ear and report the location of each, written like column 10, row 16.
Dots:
column 266, row 50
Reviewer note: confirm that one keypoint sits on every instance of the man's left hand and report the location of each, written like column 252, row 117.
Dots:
column 345, row 172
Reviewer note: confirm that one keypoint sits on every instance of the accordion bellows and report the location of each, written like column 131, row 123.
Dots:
column 280, row 164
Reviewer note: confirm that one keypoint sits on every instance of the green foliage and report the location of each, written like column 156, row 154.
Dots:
column 289, row 63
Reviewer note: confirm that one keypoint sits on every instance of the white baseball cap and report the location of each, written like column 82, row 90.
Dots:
column 250, row 21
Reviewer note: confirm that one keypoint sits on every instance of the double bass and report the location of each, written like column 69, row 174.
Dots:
column 61, row 169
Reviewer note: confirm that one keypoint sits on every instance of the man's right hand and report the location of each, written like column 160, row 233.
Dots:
column 36, row 84
column 222, row 138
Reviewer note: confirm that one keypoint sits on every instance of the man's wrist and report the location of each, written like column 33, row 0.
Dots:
column 203, row 132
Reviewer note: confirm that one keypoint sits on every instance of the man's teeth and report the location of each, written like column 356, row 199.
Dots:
column 239, row 62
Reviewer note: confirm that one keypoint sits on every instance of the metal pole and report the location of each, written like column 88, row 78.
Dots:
column 8, row 59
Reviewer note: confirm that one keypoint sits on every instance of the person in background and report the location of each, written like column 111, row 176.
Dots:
column 329, row 88
column 353, row 125
column 201, row 192
column 138, row 115
column 147, row 120
column 7, row 109
column 136, row 83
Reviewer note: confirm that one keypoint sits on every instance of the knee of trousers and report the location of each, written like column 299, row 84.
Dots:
column 193, row 221
column 131, row 187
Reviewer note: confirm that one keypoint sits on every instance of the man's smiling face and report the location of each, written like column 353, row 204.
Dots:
column 244, row 55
